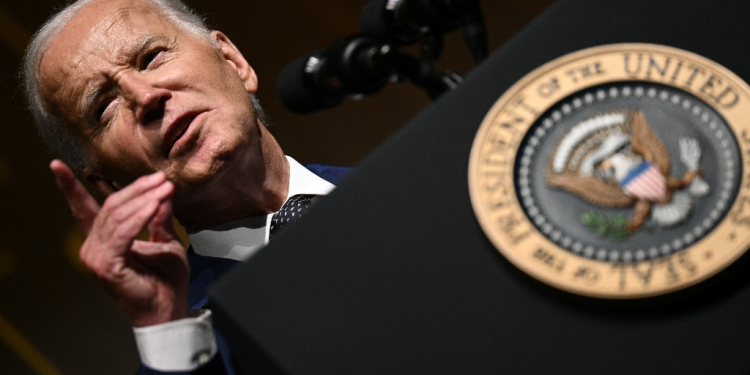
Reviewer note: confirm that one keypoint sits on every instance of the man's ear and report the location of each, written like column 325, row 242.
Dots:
column 234, row 57
column 101, row 183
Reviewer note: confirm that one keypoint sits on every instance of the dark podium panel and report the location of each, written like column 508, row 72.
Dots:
column 392, row 274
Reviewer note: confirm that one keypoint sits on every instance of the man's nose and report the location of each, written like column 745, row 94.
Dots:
column 147, row 100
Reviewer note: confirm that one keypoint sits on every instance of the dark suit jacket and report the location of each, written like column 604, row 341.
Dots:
column 204, row 270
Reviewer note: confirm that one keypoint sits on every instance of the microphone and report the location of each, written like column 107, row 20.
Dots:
column 409, row 21
column 301, row 89
column 406, row 21
column 324, row 78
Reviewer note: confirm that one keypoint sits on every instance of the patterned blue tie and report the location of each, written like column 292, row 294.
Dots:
column 290, row 212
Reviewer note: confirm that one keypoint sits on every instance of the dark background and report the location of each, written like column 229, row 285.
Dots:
column 54, row 317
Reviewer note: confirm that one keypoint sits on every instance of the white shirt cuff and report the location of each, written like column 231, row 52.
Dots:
column 181, row 345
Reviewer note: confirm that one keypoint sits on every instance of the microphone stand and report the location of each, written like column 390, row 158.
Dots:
column 363, row 64
column 418, row 72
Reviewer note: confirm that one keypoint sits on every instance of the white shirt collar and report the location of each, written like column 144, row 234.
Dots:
column 239, row 239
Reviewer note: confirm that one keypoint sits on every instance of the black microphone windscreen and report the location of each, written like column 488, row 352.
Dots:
column 374, row 22
column 293, row 89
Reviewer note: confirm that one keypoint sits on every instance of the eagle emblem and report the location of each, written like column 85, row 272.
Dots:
column 615, row 160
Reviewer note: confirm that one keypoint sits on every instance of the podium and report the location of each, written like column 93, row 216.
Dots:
column 391, row 273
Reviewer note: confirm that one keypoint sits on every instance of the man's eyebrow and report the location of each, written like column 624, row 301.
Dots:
column 142, row 45
column 131, row 57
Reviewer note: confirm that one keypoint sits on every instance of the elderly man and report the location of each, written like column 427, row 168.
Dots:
column 157, row 112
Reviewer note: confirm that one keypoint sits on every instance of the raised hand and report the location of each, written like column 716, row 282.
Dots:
column 149, row 279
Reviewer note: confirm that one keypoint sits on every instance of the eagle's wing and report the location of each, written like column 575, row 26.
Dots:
column 645, row 142
column 591, row 189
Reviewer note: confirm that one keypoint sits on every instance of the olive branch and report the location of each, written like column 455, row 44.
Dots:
column 606, row 227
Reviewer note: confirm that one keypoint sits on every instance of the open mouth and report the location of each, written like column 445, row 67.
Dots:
column 178, row 130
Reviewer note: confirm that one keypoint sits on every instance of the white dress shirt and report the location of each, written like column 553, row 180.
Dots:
column 184, row 345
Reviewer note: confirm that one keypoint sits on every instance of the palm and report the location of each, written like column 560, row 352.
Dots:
column 149, row 279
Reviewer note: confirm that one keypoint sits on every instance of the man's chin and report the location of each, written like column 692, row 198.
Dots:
column 192, row 180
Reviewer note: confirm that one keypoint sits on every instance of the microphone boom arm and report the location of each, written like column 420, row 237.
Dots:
column 409, row 69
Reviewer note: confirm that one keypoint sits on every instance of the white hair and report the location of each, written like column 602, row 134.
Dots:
column 55, row 134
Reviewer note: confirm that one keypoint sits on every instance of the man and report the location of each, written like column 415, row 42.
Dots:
column 157, row 113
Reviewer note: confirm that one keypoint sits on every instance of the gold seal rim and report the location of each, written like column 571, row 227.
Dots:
column 549, row 271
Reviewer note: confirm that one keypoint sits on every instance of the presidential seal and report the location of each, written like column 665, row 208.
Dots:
column 617, row 171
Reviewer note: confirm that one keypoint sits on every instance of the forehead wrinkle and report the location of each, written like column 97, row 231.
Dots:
column 54, row 82
column 76, row 61
column 126, row 55
column 105, row 42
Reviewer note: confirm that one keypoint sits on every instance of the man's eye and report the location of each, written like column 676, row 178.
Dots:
column 149, row 58
column 101, row 109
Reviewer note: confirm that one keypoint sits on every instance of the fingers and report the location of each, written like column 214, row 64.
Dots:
column 138, row 188
column 81, row 203
column 126, row 213
column 120, row 220
column 161, row 274
column 148, row 279
column 160, row 227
